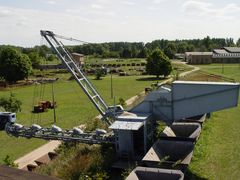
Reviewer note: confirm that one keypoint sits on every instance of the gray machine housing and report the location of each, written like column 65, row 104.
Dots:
column 183, row 99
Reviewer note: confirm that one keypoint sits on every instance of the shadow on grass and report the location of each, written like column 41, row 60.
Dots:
column 46, row 124
column 191, row 176
column 150, row 79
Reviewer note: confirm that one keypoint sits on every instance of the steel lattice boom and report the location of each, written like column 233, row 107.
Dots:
column 66, row 58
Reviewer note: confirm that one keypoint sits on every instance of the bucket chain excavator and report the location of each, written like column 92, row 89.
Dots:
column 131, row 131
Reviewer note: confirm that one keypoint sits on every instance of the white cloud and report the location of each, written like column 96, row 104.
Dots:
column 23, row 25
column 127, row 20
column 96, row 6
column 129, row 3
column 206, row 9
column 158, row 1
column 4, row 12
column 196, row 6
column 51, row 2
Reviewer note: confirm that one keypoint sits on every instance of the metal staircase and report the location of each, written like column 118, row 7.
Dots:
column 66, row 58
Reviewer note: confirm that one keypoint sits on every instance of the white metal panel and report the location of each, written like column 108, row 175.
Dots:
column 195, row 98
column 126, row 125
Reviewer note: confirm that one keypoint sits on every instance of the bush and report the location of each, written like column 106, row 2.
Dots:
column 122, row 102
column 9, row 162
column 98, row 74
column 81, row 161
column 10, row 104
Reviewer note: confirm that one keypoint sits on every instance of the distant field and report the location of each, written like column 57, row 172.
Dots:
column 216, row 154
column 226, row 70
column 93, row 60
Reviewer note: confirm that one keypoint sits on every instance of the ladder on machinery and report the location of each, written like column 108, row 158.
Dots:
column 66, row 58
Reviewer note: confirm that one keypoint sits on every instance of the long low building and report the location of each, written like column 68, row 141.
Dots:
column 224, row 55
column 198, row 57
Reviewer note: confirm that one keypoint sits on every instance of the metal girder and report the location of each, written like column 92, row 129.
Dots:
column 65, row 57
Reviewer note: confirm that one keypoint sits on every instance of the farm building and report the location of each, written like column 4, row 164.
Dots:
column 224, row 55
column 198, row 57
column 78, row 58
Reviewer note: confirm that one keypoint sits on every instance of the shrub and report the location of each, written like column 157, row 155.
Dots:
column 10, row 104
column 9, row 162
column 122, row 102
column 98, row 74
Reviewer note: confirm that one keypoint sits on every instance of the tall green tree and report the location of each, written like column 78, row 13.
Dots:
column 14, row 65
column 170, row 50
column 238, row 42
column 182, row 47
column 143, row 53
column 207, row 43
column 35, row 59
column 230, row 42
column 158, row 64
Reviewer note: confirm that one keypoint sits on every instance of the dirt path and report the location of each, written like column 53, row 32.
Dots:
column 189, row 72
column 31, row 157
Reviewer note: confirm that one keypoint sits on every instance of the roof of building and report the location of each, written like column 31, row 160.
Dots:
column 232, row 49
column 126, row 125
column 205, row 83
column 130, row 121
column 8, row 173
column 78, row 54
column 199, row 53
column 220, row 51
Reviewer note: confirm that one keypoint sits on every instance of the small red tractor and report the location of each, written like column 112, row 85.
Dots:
column 43, row 106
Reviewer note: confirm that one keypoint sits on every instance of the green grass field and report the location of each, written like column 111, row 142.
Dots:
column 216, row 154
column 227, row 70
column 73, row 107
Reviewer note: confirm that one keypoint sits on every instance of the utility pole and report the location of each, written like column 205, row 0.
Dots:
column 53, row 102
column 222, row 67
column 111, row 85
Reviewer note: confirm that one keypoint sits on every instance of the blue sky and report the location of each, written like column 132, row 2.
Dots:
column 112, row 20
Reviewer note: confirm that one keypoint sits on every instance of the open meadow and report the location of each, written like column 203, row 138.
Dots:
column 73, row 107
column 216, row 155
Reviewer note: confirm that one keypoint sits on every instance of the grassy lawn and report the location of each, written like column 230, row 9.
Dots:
column 216, row 154
column 73, row 107
column 227, row 70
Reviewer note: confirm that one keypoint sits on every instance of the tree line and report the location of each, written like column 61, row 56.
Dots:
column 141, row 50
column 16, row 63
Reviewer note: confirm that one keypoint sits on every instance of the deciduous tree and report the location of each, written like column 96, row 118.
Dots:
column 14, row 65
column 158, row 64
